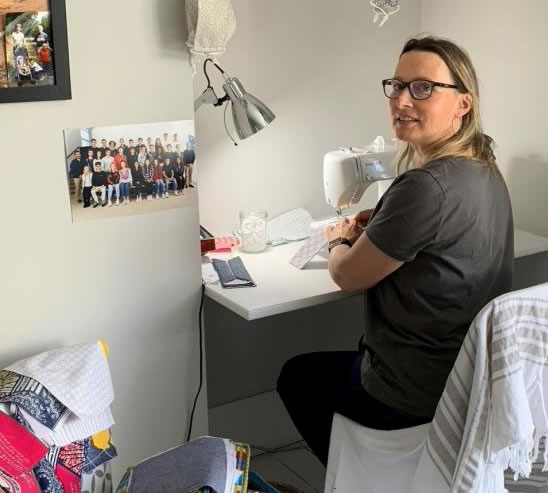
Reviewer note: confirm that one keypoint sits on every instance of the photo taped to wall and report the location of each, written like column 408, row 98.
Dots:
column 130, row 169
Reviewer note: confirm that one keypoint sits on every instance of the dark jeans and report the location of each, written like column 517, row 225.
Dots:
column 87, row 196
column 314, row 386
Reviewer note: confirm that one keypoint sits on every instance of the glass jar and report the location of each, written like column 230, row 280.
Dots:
column 253, row 230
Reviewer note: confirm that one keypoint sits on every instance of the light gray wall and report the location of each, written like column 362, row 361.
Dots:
column 318, row 66
column 134, row 281
column 507, row 42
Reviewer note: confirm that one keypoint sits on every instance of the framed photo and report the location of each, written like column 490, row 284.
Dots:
column 34, row 61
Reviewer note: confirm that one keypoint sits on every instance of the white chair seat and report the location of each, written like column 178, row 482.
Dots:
column 373, row 461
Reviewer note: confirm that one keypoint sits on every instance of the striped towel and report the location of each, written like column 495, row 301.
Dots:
column 492, row 415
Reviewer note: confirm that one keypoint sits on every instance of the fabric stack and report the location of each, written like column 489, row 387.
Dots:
column 55, row 422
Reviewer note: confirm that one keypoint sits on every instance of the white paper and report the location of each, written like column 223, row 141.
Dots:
column 293, row 225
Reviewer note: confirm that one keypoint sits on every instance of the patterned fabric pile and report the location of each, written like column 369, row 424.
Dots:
column 55, row 422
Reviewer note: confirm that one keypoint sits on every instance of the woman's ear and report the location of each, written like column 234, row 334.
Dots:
column 464, row 104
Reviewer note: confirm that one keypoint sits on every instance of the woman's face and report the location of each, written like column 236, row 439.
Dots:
column 424, row 122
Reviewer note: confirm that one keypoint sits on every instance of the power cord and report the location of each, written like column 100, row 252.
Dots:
column 200, row 315
column 290, row 447
column 226, row 128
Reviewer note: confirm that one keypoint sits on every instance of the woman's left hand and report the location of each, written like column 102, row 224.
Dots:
column 351, row 230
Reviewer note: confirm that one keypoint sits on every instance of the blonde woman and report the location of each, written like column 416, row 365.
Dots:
column 436, row 249
column 125, row 181
column 86, row 186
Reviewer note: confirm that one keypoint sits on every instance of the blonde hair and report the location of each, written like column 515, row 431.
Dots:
column 469, row 141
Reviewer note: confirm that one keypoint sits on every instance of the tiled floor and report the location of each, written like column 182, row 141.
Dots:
column 297, row 467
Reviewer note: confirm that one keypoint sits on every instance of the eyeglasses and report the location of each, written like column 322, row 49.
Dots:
column 419, row 89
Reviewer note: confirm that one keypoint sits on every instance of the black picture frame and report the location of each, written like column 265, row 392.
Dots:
column 61, row 89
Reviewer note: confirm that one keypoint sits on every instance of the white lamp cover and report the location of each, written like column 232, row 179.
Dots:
column 211, row 24
column 384, row 8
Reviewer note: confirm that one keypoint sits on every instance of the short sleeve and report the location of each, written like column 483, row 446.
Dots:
column 409, row 216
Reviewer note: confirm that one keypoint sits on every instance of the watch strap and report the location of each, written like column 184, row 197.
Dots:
column 339, row 241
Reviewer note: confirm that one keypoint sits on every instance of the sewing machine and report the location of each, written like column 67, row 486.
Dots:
column 348, row 172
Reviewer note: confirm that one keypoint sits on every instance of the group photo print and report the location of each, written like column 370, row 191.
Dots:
column 130, row 169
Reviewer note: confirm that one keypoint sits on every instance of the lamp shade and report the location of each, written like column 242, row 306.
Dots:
column 249, row 114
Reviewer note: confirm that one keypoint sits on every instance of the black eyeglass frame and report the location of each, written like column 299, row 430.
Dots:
column 408, row 84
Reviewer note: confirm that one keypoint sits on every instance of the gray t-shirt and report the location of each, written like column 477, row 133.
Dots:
column 451, row 224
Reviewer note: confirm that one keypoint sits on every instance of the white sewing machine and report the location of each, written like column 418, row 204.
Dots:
column 350, row 170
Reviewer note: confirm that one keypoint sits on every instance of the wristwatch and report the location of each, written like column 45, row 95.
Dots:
column 339, row 241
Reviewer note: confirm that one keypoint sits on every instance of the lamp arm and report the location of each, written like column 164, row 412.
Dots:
column 207, row 97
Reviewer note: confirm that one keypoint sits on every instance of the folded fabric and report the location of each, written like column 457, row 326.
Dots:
column 97, row 481
column 97, row 454
column 78, row 458
column 78, row 376
column 33, row 397
column 20, row 452
column 187, row 468
column 233, row 273
column 73, row 428
column 83, row 456
column 47, row 479
column 44, row 471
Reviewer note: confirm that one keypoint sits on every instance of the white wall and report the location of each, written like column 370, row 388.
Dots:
column 318, row 66
column 135, row 280
column 153, row 130
column 507, row 41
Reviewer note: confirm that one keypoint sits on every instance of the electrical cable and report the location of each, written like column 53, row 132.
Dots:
column 226, row 128
column 200, row 315
column 290, row 447
column 205, row 71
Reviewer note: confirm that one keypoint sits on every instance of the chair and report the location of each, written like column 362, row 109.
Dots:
column 493, row 414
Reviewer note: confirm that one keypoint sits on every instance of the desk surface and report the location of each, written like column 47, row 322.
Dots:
column 282, row 288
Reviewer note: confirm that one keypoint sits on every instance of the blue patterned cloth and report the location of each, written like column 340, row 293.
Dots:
column 96, row 457
column 33, row 397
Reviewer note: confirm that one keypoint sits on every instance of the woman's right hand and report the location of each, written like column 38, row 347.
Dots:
column 362, row 217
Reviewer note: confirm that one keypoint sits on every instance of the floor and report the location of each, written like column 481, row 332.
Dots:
column 294, row 466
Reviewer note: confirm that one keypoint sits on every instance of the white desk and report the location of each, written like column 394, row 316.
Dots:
column 282, row 288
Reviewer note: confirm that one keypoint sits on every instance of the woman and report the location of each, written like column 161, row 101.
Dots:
column 86, row 186
column 160, row 154
column 112, row 147
column 436, row 249
column 113, row 180
column 158, row 179
column 138, row 180
column 142, row 155
column 131, row 158
column 125, row 182
column 148, row 172
column 179, row 174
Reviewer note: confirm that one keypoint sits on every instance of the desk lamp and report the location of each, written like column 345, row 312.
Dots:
column 248, row 113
